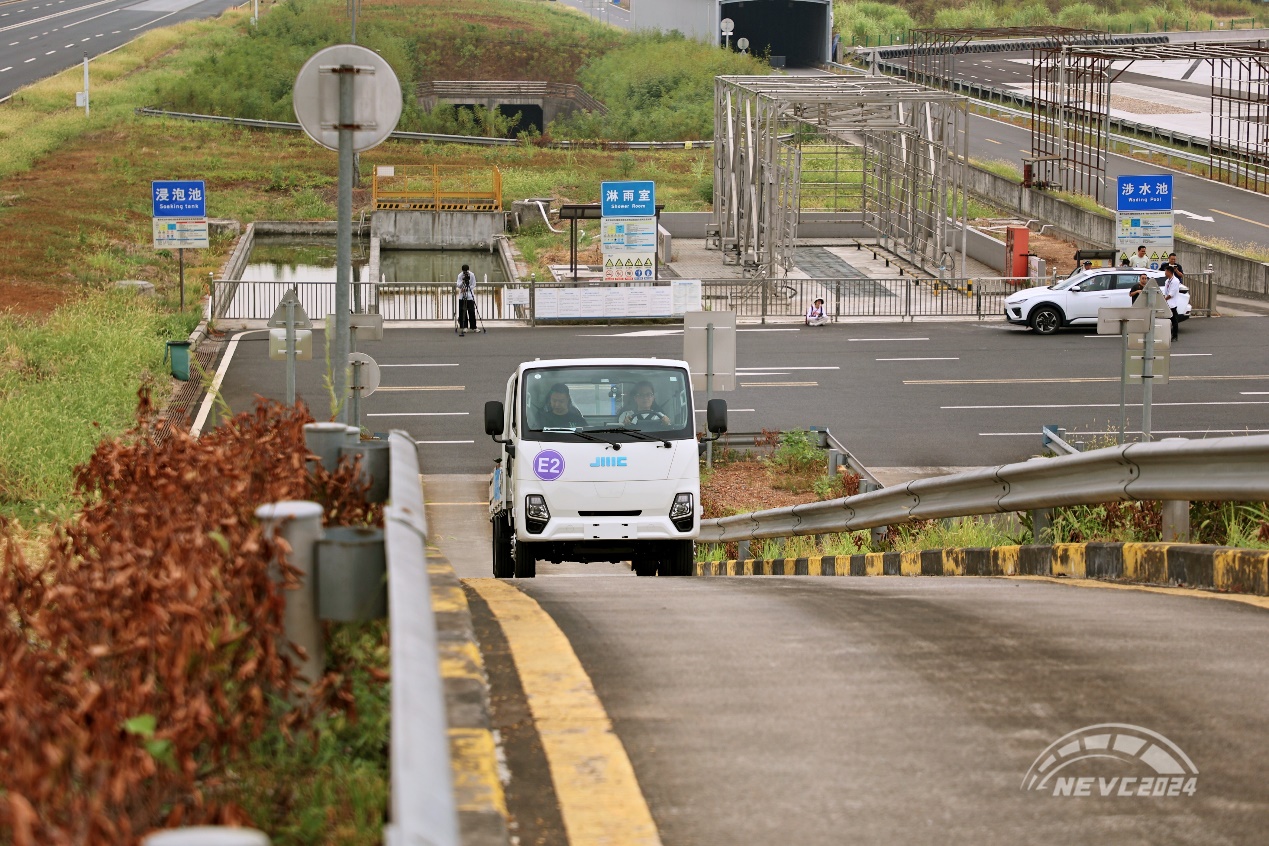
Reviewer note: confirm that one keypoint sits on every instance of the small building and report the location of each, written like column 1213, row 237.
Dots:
column 798, row 33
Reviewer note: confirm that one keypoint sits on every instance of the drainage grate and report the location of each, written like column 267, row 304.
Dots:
column 179, row 412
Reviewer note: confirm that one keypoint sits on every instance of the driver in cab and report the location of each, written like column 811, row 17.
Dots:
column 560, row 412
column 643, row 414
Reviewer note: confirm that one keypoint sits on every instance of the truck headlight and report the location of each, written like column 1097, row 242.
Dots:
column 536, row 514
column 682, row 512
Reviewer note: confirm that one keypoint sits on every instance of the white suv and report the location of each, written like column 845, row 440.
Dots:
column 1075, row 300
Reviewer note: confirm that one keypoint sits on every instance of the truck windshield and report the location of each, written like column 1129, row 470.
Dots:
column 569, row 403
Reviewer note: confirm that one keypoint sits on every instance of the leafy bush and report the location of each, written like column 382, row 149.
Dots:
column 144, row 653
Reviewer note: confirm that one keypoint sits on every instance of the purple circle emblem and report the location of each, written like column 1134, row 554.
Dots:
column 548, row 465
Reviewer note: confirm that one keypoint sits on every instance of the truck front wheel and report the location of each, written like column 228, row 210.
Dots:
column 526, row 562
column 678, row 558
column 504, row 566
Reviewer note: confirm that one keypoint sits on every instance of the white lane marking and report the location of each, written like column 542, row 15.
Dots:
column 768, row 330
column 214, row 390
column 887, row 339
column 1092, row 405
column 952, row 358
column 741, row 370
column 28, row 61
column 418, row 414
column 9, row 68
column 418, row 365
column 642, row 333
column 382, row 388
column 779, row 384
column 93, row 18
column 153, row 22
column 1254, row 393
column 1188, row 355
column 56, row 15
column 763, row 373
column 1190, row 214
column 1130, row 431
column 992, row 140
column 729, row 410
column 445, row 442
column 50, row 52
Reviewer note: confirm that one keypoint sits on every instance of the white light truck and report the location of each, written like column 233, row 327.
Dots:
column 600, row 462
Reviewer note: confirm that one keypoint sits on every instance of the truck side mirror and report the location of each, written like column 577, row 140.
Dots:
column 493, row 418
column 716, row 416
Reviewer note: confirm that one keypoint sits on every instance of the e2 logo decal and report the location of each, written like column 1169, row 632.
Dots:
column 548, row 465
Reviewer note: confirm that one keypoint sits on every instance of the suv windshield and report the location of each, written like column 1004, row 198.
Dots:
column 591, row 402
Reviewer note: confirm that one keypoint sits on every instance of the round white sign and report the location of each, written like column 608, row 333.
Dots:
column 376, row 96
column 369, row 373
column 727, row 25
column 742, row 43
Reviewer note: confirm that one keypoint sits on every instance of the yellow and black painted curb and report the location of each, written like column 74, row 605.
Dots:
column 1191, row 565
column 478, row 794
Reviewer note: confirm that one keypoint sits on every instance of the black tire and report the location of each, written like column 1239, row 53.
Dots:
column 678, row 558
column 504, row 565
column 526, row 562
column 1046, row 320
column 644, row 564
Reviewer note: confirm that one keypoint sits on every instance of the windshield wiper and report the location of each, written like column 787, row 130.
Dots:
column 623, row 430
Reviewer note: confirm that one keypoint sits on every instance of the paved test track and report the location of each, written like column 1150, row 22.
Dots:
column 904, row 710
column 916, row 395
column 39, row 38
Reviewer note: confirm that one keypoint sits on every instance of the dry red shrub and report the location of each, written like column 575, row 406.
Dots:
column 145, row 653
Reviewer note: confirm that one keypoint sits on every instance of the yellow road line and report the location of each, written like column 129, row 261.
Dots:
column 599, row 796
column 1243, row 219
column 381, row 388
column 1072, row 379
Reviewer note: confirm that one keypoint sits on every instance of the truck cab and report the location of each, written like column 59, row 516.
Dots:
column 599, row 462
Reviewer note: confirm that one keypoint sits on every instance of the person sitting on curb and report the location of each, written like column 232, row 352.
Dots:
column 815, row 314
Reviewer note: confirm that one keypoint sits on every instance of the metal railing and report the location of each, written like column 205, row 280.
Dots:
column 436, row 188
column 507, row 90
column 1227, row 469
column 422, row 804
column 900, row 298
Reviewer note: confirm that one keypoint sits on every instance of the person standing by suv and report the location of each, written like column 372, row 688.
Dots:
column 1172, row 295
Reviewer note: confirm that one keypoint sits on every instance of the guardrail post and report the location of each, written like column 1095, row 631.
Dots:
column 742, row 550
column 1176, row 521
column 325, row 440
column 1042, row 525
column 299, row 523
column 207, row 835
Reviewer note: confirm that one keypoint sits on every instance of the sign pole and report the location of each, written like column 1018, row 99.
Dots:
column 1123, row 384
column 709, row 387
column 180, row 258
column 343, row 244
column 1147, row 363
column 290, row 352
column 85, row 85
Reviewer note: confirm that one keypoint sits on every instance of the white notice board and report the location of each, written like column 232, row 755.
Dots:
column 618, row 301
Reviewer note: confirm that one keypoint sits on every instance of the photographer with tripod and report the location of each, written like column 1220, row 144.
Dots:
column 466, row 286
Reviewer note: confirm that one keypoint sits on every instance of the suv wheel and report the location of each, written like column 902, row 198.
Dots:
column 1046, row 320
column 526, row 562
column 503, row 563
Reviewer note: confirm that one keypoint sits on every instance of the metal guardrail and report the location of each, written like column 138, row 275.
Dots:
column 508, row 89
column 1227, row 469
column 436, row 188
column 478, row 140
column 901, row 297
column 422, row 803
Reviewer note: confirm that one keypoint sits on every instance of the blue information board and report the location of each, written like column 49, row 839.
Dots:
column 1143, row 193
column 186, row 198
column 628, row 199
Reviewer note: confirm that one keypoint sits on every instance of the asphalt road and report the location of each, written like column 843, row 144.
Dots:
column 39, row 38
column 915, row 395
column 903, row 710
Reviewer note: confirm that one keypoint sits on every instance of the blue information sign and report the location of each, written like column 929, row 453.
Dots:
column 1144, row 193
column 179, row 198
column 628, row 199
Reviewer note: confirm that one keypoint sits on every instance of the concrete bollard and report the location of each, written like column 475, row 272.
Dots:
column 375, row 464
column 207, row 835
column 1042, row 525
column 299, row 523
column 1176, row 521
column 324, row 441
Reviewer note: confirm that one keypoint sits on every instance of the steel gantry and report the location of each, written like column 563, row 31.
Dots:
column 1071, row 102
column 912, row 187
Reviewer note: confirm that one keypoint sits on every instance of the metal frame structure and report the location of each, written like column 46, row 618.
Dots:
column 913, row 187
column 1071, row 99
column 933, row 51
